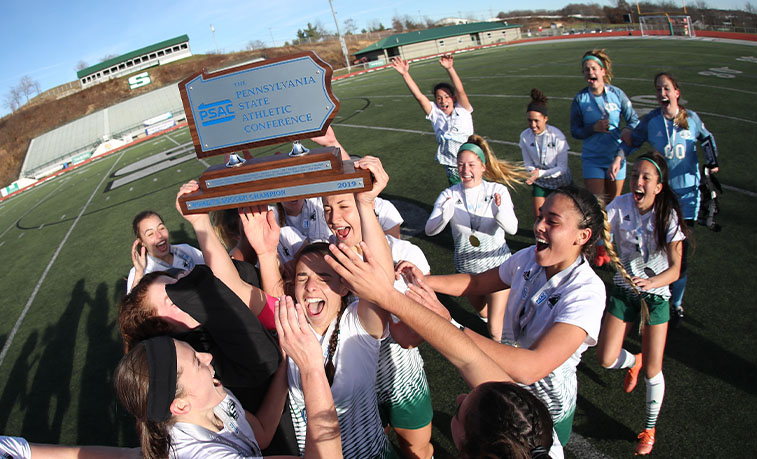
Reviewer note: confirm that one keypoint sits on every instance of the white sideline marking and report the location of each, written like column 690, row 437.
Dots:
column 171, row 139
column 505, row 142
column 20, row 319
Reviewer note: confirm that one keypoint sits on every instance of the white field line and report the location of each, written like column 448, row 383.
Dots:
column 20, row 319
column 30, row 209
column 505, row 142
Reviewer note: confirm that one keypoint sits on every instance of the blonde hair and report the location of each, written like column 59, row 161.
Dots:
column 499, row 170
column 226, row 226
column 601, row 54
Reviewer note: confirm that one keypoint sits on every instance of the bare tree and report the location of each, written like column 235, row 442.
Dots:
column 397, row 24
column 107, row 57
column 81, row 65
column 349, row 26
column 27, row 86
column 749, row 8
column 255, row 44
column 12, row 100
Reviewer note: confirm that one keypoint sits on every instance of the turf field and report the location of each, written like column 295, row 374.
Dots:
column 65, row 249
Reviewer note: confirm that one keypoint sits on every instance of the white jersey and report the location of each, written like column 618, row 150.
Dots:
column 574, row 296
column 547, row 152
column 354, row 390
column 235, row 440
column 310, row 222
column 475, row 217
column 185, row 257
column 388, row 215
column 636, row 242
column 451, row 132
column 400, row 379
column 290, row 242
column 14, row 448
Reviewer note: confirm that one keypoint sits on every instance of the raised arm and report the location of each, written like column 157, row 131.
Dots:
column 262, row 231
column 403, row 68
column 447, row 61
column 266, row 419
column 322, row 438
column 216, row 256
column 373, row 318
column 368, row 280
column 329, row 140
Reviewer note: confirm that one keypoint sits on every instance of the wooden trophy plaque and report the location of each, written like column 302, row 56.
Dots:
column 264, row 103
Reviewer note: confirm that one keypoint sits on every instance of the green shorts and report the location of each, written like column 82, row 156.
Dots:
column 539, row 191
column 627, row 307
column 409, row 415
column 564, row 427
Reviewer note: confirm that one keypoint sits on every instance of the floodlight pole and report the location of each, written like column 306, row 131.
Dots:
column 341, row 40
column 213, row 31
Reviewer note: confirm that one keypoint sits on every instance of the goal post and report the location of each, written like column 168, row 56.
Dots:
column 666, row 25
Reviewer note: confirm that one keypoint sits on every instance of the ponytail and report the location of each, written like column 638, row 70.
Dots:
column 498, row 170
column 600, row 54
column 131, row 382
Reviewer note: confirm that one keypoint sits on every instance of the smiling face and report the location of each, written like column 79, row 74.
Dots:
column 154, row 236
column 559, row 239
column 537, row 122
column 595, row 76
column 471, row 168
column 667, row 94
column 445, row 101
column 343, row 218
column 318, row 289
column 197, row 378
column 645, row 185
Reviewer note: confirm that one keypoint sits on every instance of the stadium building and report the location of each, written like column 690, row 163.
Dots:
column 149, row 56
column 438, row 40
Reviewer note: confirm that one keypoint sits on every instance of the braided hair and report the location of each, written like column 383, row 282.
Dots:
column 594, row 217
column 321, row 249
column 507, row 422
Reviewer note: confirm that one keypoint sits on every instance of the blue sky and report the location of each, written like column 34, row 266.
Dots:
column 44, row 39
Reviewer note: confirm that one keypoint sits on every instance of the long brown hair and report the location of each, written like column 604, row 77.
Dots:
column 321, row 249
column 665, row 203
column 682, row 117
column 137, row 318
column 131, row 381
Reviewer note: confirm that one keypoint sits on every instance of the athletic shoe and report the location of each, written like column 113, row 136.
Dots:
column 646, row 442
column 601, row 257
column 677, row 316
column 633, row 375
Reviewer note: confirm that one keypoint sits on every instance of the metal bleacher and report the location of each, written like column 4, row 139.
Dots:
column 51, row 150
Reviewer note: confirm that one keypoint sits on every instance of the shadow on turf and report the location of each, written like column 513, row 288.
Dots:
column 591, row 421
column 47, row 402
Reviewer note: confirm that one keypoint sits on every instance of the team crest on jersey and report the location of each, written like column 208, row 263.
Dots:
column 611, row 107
column 552, row 301
column 541, row 298
column 686, row 134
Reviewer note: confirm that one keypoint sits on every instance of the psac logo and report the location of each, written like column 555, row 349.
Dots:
column 216, row 112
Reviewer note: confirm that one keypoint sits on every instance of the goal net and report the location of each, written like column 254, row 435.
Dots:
column 666, row 25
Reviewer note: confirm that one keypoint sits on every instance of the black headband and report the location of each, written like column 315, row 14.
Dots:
column 537, row 107
column 161, row 364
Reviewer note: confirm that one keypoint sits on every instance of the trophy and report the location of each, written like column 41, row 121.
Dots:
column 269, row 102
